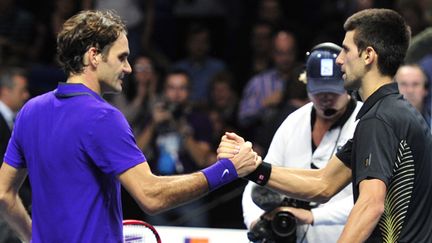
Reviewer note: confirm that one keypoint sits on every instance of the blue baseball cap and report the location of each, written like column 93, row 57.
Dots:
column 322, row 72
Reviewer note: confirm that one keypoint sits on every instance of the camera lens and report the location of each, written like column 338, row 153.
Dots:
column 284, row 224
column 260, row 231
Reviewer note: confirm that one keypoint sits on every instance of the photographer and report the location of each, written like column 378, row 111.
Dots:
column 179, row 139
column 311, row 134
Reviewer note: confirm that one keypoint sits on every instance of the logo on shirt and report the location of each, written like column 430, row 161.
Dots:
column 368, row 161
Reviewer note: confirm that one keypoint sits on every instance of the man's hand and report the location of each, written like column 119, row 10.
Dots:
column 160, row 114
column 272, row 100
column 229, row 145
column 246, row 160
column 303, row 216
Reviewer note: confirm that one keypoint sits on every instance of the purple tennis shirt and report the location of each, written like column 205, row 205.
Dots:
column 74, row 144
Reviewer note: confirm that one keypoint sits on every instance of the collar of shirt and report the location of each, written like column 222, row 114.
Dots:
column 7, row 114
column 66, row 90
column 383, row 91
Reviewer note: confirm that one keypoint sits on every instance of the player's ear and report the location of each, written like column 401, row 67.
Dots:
column 91, row 57
column 369, row 55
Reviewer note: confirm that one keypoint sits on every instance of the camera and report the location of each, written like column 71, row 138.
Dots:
column 276, row 225
column 176, row 110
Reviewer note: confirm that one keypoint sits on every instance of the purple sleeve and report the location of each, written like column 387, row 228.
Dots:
column 111, row 144
column 14, row 155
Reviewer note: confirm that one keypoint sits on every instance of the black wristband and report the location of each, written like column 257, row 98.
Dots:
column 261, row 174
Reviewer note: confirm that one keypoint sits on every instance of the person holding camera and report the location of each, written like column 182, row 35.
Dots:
column 180, row 137
column 307, row 139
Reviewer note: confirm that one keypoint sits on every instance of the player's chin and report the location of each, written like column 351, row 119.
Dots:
column 118, row 87
column 114, row 89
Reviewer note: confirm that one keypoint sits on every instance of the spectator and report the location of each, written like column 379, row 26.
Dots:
column 294, row 97
column 141, row 92
column 198, row 64
column 420, row 52
column 180, row 137
column 223, row 99
column 261, row 44
column 413, row 85
column 271, row 11
column 264, row 91
column 13, row 94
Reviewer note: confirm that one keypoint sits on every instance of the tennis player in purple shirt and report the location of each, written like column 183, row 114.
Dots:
column 77, row 149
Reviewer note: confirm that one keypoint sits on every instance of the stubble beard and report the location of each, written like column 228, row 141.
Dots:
column 113, row 88
column 352, row 84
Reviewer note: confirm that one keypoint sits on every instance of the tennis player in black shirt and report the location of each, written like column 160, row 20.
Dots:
column 389, row 159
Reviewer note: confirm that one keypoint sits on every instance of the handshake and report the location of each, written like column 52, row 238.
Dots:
column 241, row 154
column 236, row 158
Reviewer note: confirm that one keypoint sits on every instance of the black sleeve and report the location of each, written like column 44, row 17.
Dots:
column 375, row 146
column 344, row 153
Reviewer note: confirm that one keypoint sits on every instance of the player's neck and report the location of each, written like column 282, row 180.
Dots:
column 371, row 82
column 86, row 79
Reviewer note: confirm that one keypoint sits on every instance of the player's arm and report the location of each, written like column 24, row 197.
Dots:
column 11, row 207
column 306, row 184
column 366, row 211
column 311, row 185
column 157, row 193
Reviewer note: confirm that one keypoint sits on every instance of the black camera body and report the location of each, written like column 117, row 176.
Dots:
column 276, row 225
column 177, row 110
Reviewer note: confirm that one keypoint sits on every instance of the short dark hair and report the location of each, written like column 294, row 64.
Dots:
column 178, row 71
column 222, row 77
column 197, row 28
column 385, row 31
column 8, row 73
column 99, row 29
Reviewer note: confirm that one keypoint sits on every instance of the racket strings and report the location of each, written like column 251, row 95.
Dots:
column 138, row 233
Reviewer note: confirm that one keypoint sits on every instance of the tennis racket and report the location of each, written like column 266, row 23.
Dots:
column 137, row 231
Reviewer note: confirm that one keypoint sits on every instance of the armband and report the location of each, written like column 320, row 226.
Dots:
column 220, row 173
column 261, row 174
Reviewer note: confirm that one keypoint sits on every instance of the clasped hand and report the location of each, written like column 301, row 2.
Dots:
column 235, row 148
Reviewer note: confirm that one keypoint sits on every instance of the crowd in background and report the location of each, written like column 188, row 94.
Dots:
column 203, row 67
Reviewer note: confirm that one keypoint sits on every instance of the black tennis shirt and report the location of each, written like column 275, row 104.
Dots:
column 393, row 143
